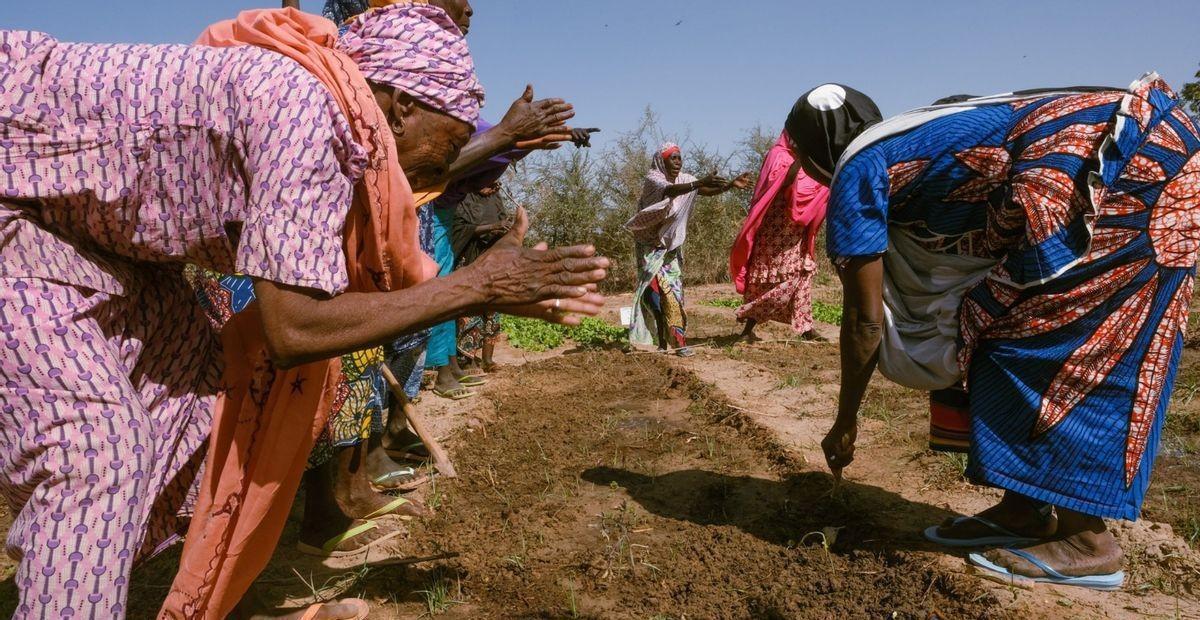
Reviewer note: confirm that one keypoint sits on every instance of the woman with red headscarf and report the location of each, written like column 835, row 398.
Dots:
column 659, row 229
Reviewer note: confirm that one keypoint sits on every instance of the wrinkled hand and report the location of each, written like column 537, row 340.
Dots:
column 741, row 182
column 838, row 446
column 512, row 275
column 530, row 122
column 560, row 311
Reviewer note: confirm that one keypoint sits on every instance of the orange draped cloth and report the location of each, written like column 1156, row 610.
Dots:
column 267, row 419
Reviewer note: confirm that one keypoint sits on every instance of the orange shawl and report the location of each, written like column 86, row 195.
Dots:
column 267, row 420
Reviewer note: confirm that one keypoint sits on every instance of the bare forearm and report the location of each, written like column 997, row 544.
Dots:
column 680, row 189
column 302, row 329
column 481, row 148
column 859, row 344
column 862, row 330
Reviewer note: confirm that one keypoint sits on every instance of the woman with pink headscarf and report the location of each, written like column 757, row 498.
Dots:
column 124, row 162
column 772, row 262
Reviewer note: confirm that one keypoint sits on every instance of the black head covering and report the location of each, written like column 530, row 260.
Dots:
column 954, row 99
column 826, row 120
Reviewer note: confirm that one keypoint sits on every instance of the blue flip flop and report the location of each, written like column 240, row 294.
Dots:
column 1002, row 537
column 996, row 572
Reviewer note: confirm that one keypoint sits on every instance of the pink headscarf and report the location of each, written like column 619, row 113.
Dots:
column 418, row 49
column 808, row 200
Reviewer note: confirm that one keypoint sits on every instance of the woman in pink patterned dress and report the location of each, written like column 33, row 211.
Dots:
column 120, row 163
column 772, row 262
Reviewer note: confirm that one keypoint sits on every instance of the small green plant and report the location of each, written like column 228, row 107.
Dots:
column 442, row 594
column 593, row 333
column 790, row 381
column 827, row 313
column 436, row 498
column 572, row 604
column 537, row 336
column 724, row 302
column 532, row 334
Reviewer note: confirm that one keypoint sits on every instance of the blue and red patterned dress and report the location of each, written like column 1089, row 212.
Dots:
column 1089, row 204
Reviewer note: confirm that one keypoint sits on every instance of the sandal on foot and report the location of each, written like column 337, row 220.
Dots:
column 412, row 481
column 995, row 572
column 472, row 381
column 685, row 352
column 388, row 510
column 454, row 394
column 373, row 552
column 412, row 452
column 1001, row 536
column 363, row 609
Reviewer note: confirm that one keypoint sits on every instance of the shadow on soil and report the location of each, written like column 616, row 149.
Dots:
column 782, row 512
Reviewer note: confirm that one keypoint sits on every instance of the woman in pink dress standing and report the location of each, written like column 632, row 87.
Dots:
column 772, row 262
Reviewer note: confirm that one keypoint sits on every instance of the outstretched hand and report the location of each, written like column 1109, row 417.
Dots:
column 741, row 182
column 531, row 124
column 542, row 282
column 713, row 181
column 582, row 138
column 561, row 311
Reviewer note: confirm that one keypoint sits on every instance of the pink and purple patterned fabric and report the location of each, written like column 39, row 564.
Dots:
column 118, row 163
column 433, row 65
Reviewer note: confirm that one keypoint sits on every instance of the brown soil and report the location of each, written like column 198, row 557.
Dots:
column 606, row 485
column 618, row 487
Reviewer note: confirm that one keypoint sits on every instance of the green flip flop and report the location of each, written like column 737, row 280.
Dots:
column 472, row 381
column 388, row 509
column 455, row 394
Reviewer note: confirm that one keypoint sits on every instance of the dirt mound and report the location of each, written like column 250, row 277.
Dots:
column 613, row 486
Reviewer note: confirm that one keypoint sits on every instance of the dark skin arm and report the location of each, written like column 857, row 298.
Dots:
column 528, row 124
column 791, row 174
column 302, row 326
column 862, row 329
column 484, row 230
column 719, row 185
column 679, row 189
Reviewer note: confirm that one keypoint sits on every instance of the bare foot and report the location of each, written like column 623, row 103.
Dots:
column 749, row 337
column 812, row 336
column 1014, row 513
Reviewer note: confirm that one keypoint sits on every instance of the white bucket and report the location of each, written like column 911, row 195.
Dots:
column 627, row 316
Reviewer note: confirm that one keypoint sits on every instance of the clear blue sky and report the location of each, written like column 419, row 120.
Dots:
column 731, row 65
